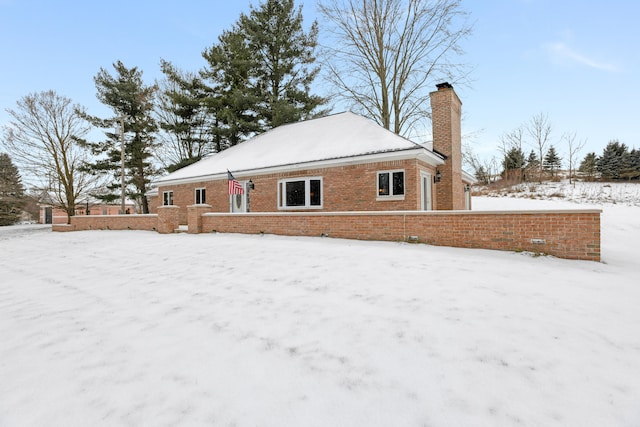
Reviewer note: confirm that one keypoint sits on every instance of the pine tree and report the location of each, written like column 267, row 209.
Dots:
column 635, row 162
column 532, row 166
column 132, row 103
column 513, row 164
column 482, row 175
column 612, row 161
column 278, row 56
column 230, row 99
column 631, row 165
column 283, row 62
column 552, row 162
column 11, row 191
column 588, row 166
column 183, row 118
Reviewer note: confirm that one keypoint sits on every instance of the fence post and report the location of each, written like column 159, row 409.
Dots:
column 194, row 217
column 168, row 219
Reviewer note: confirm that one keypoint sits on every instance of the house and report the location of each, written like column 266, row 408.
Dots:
column 343, row 176
column 339, row 163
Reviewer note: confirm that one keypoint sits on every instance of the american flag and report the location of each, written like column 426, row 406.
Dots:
column 234, row 186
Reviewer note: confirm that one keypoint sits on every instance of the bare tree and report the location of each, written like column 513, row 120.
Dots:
column 539, row 129
column 512, row 140
column 385, row 54
column 42, row 138
column 483, row 169
column 513, row 155
column 573, row 150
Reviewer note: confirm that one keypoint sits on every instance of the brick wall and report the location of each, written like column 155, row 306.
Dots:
column 565, row 234
column 110, row 222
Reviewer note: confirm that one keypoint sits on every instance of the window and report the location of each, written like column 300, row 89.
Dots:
column 201, row 196
column 300, row 193
column 390, row 184
column 167, row 198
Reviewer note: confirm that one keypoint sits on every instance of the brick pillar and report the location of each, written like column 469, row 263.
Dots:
column 168, row 219
column 194, row 217
column 446, row 110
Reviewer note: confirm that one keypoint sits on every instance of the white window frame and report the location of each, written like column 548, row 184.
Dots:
column 195, row 195
column 391, row 196
column 170, row 198
column 282, row 196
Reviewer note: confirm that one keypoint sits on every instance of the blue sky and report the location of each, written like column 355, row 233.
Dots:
column 573, row 60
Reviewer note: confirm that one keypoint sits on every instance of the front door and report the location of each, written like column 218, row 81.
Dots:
column 240, row 202
column 425, row 191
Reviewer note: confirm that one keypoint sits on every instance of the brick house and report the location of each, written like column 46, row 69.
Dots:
column 343, row 176
column 342, row 162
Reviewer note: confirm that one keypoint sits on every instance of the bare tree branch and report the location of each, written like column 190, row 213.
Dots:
column 42, row 137
column 573, row 150
column 384, row 54
column 539, row 129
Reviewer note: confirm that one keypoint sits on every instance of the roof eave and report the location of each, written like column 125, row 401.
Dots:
column 420, row 153
column 467, row 177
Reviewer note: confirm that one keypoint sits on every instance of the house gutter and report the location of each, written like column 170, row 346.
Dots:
column 419, row 153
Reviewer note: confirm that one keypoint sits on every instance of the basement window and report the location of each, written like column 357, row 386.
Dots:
column 167, row 198
column 300, row 193
column 391, row 185
column 201, row 196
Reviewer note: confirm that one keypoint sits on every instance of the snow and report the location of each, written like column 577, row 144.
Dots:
column 337, row 136
column 108, row 328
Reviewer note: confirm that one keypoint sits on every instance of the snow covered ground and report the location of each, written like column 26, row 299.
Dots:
column 130, row 328
column 625, row 193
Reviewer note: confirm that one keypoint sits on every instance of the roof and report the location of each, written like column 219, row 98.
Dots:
column 334, row 139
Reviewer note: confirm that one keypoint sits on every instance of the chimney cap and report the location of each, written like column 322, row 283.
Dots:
column 444, row 85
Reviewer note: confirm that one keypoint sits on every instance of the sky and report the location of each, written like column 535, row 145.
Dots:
column 574, row 61
column 246, row 330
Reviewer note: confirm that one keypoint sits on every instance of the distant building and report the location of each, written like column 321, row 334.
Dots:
column 50, row 214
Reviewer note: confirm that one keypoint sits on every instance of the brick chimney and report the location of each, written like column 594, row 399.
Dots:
column 446, row 111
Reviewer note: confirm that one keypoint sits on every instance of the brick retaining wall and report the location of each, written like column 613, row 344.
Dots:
column 110, row 222
column 565, row 234
column 572, row 234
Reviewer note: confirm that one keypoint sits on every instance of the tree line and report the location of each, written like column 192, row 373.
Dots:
column 259, row 74
column 615, row 163
column 544, row 161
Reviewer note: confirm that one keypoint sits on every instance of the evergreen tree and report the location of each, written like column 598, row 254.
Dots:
column 231, row 101
column 482, row 175
column 612, row 161
column 588, row 166
column 513, row 164
column 532, row 166
column 183, row 118
column 11, row 191
column 283, row 62
column 631, row 165
column 132, row 103
column 552, row 162
column 635, row 161
column 257, row 76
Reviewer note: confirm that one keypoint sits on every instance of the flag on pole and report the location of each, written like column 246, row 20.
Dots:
column 234, row 186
